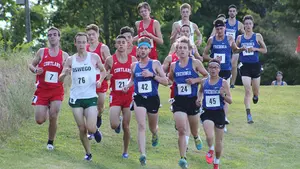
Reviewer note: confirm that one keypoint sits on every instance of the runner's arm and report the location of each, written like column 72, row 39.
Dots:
column 158, row 38
column 263, row 47
column 107, row 66
column 100, row 66
column 105, row 52
column 207, row 49
column 225, row 92
column 174, row 33
column 199, row 35
column 161, row 78
column 167, row 63
column 66, row 70
column 36, row 60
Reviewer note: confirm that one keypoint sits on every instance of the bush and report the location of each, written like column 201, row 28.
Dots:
column 16, row 91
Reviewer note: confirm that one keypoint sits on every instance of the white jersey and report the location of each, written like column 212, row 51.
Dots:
column 83, row 79
column 192, row 31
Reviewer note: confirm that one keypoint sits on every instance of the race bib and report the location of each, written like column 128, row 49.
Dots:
column 82, row 80
column 151, row 43
column 221, row 55
column 34, row 99
column 72, row 101
column 212, row 101
column 246, row 53
column 145, row 87
column 232, row 34
column 184, row 89
column 51, row 77
column 120, row 84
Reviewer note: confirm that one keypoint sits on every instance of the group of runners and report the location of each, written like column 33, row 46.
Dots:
column 135, row 73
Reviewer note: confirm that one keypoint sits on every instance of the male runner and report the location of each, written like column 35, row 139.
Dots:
column 146, row 76
column 250, row 68
column 184, row 73
column 215, row 92
column 103, row 52
column 119, row 65
column 149, row 28
column 221, row 47
column 47, row 65
column 185, row 11
column 83, row 66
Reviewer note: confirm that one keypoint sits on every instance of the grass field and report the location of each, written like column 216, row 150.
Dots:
column 272, row 142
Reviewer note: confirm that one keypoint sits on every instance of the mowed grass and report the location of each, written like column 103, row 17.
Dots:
column 272, row 142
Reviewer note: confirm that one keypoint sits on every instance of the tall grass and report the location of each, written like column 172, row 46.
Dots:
column 16, row 91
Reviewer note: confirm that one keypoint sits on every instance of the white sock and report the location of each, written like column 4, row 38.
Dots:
column 187, row 139
column 212, row 148
column 216, row 161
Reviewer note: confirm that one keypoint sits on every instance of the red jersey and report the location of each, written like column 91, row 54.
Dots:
column 133, row 51
column 121, row 73
column 52, row 67
column 97, row 50
column 153, row 53
column 174, row 59
column 298, row 45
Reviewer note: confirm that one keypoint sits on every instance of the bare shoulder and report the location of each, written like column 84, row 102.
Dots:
column 258, row 36
column 156, row 63
column 137, row 23
column 195, row 26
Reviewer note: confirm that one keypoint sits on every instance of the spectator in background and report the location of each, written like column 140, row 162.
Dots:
column 298, row 46
column 279, row 81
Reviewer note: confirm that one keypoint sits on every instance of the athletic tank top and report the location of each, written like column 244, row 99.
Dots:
column 180, row 76
column 83, row 79
column 212, row 99
column 52, row 67
column 97, row 51
column 174, row 59
column 222, row 49
column 133, row 51
column 121, row 73
column 145, row 86
column 281, row 84
column 249, row 57
column 153, row 53
column 192, row 31
column 232, row 31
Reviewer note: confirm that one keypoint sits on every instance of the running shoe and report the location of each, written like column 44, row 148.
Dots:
column 90, row 136
column 198, row 143
column 125, row 155
column 249, row 119
column 227, row 121
column 154, row 140
column 183, row 163
column 88, row 157
column 216, row 166
column 118, row 129
column 232, row 86
column 255, row 99
column 50, row 147
column 209, row 156
column 98, row 136
column 142, row 160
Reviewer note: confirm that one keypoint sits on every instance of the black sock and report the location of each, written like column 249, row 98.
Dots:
column 195, row 137
column 50, row 142
column 248, row 111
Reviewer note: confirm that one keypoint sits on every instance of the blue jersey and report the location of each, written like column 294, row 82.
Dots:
column 145, row 86
column 276, row 83
column 249, row 57
column 222, row 49
column 232, row 30
column 212, row 99
column 180, row 76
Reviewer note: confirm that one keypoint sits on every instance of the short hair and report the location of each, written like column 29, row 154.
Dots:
column 186, row 40
column 221, row 15
column 232, row 6
column 80, row 34
column 279, row 73
column 219, row 22
column 185, row 25
column 214, row 61
column 143, row 5
column 185, row 5
column 93, row 27
column 144, row 39
column 126, row 29
column 246, row 17
column 54, row 28
column 120, row 37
